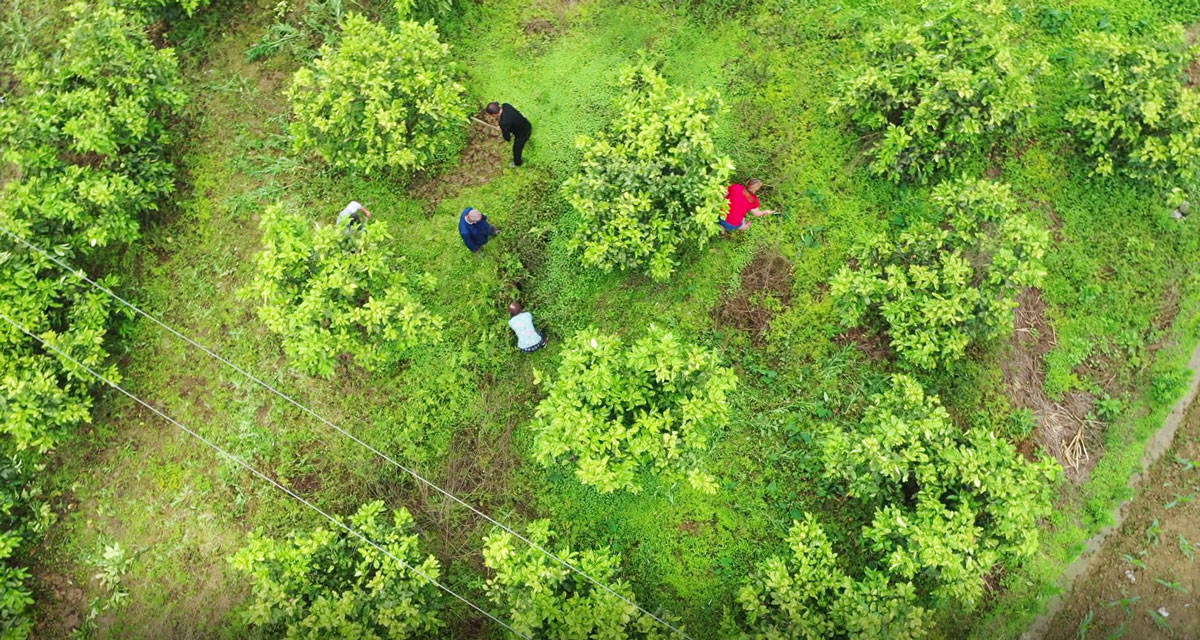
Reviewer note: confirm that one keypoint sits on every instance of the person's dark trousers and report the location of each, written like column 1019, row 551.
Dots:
column 518, row 146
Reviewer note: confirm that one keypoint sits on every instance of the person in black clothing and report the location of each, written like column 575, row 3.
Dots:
column 512, row 125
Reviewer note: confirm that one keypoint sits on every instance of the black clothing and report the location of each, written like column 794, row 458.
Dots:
column 514, row 125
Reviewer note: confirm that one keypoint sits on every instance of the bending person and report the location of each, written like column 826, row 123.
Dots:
column 521, row 322
column 742, row 201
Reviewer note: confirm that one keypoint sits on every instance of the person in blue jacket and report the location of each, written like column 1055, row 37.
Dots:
column 475, row 229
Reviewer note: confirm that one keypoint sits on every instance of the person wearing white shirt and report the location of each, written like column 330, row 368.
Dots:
column 353, row 218
column 521, row 322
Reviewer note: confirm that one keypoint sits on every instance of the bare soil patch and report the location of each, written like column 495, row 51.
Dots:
column 875, row 345
column 1063, row 426
column 1143, row 581
column 61, row 603
column 482, row 160
column 766, row 290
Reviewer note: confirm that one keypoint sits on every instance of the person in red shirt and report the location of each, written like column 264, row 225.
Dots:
column 742, row 201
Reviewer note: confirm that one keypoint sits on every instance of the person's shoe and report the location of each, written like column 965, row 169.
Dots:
column 512, row 164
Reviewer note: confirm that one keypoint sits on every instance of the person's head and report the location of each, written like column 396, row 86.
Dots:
column 474, row 216
column 753, row 185
column 494, row 108
column 515, row 308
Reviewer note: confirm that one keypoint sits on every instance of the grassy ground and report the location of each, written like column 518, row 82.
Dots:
column 1121, row 301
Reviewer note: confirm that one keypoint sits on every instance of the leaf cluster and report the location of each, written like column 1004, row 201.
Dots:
column 328, row 291
column 949, row 504
column 1137, row 117
column 652, row 183
column 544, row 599
column 381, row 101
column 616, row 410
column 936, row 90
column 937, row 288
column 329, row 583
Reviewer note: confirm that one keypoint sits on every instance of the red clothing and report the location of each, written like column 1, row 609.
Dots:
column 741, row 202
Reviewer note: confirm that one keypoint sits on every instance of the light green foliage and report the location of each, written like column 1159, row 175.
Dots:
column 937, row 288
column 383, row 100
column 155, row 8
column 329, row 583
column 299, row 32
column 1137, row 116
column 544, row 599
column 807, row 596
column 87, row 132
column 949, row 504
column 615, row 410
column 327, row 292
column 653, row 183
column 940, row 88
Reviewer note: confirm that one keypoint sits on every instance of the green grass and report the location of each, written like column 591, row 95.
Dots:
column 459, row 410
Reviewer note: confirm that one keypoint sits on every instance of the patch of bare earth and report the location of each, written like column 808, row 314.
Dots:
column 767, row 277
column 1063, row 426
column 1145, row 579
column 482, row 160
column 875, row 345
column 62, row 604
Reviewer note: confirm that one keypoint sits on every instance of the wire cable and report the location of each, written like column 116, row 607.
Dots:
column 81, row 275
column 258, row 473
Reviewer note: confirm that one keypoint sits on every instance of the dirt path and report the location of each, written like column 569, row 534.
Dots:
column 1140, row 578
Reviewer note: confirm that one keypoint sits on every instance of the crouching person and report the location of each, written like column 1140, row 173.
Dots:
column 521, row 322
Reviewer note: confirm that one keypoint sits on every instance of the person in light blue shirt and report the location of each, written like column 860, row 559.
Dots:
column 475, row 229
column 521, row 322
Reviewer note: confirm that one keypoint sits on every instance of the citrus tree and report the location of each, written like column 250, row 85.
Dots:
column 327, row 292
column 615, row 410
column 1136, row 116
column 381, row 100
column 934, row 90
column 807, row 596
column 652, row 183
column 543, row 599
column 950, row 504
column 329, row 583
column 936, row 287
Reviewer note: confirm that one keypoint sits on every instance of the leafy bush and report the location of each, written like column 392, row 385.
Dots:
column 1137, row 116
column 937, row 288
column 652, row 183
column 949, row 504
column 87, row 132
column 938, row 89
column 153, row 8
column 382, row 100
column 808, row 597
column 326, row 292
column 330, row 583
column 617, row 410
column 543, row 599
column 299, row 34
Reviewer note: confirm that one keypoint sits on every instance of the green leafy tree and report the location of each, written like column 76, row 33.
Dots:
column 88, row 132
column 615, row 410
column 543, row 599
column 940, row 88
column 1137, row 116
column 949, row 504
column 329, row 583
column 807, row 596
column 653, row 183
column 937, row 288
column 382, row 100
column 327, row 292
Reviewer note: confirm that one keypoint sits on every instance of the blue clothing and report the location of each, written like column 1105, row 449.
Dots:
column 475, row 235
column 726, row 226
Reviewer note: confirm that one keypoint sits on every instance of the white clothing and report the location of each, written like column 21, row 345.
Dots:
column 344, row 217
column 522, row 325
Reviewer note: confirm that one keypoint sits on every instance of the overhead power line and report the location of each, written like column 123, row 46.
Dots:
column 242, row 463
column 572, row 567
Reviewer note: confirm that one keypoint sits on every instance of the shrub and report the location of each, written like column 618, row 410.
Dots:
column 152, row 8
column 653, row 183
column 937, row 288
column 326, row 292
column 939, row 89
column 949, row 504
column 87, row 132
column 382, row 100
column 1137, row 116
column 808, row 597
column 617, row 410
column 330, row 583
column 543, row 599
